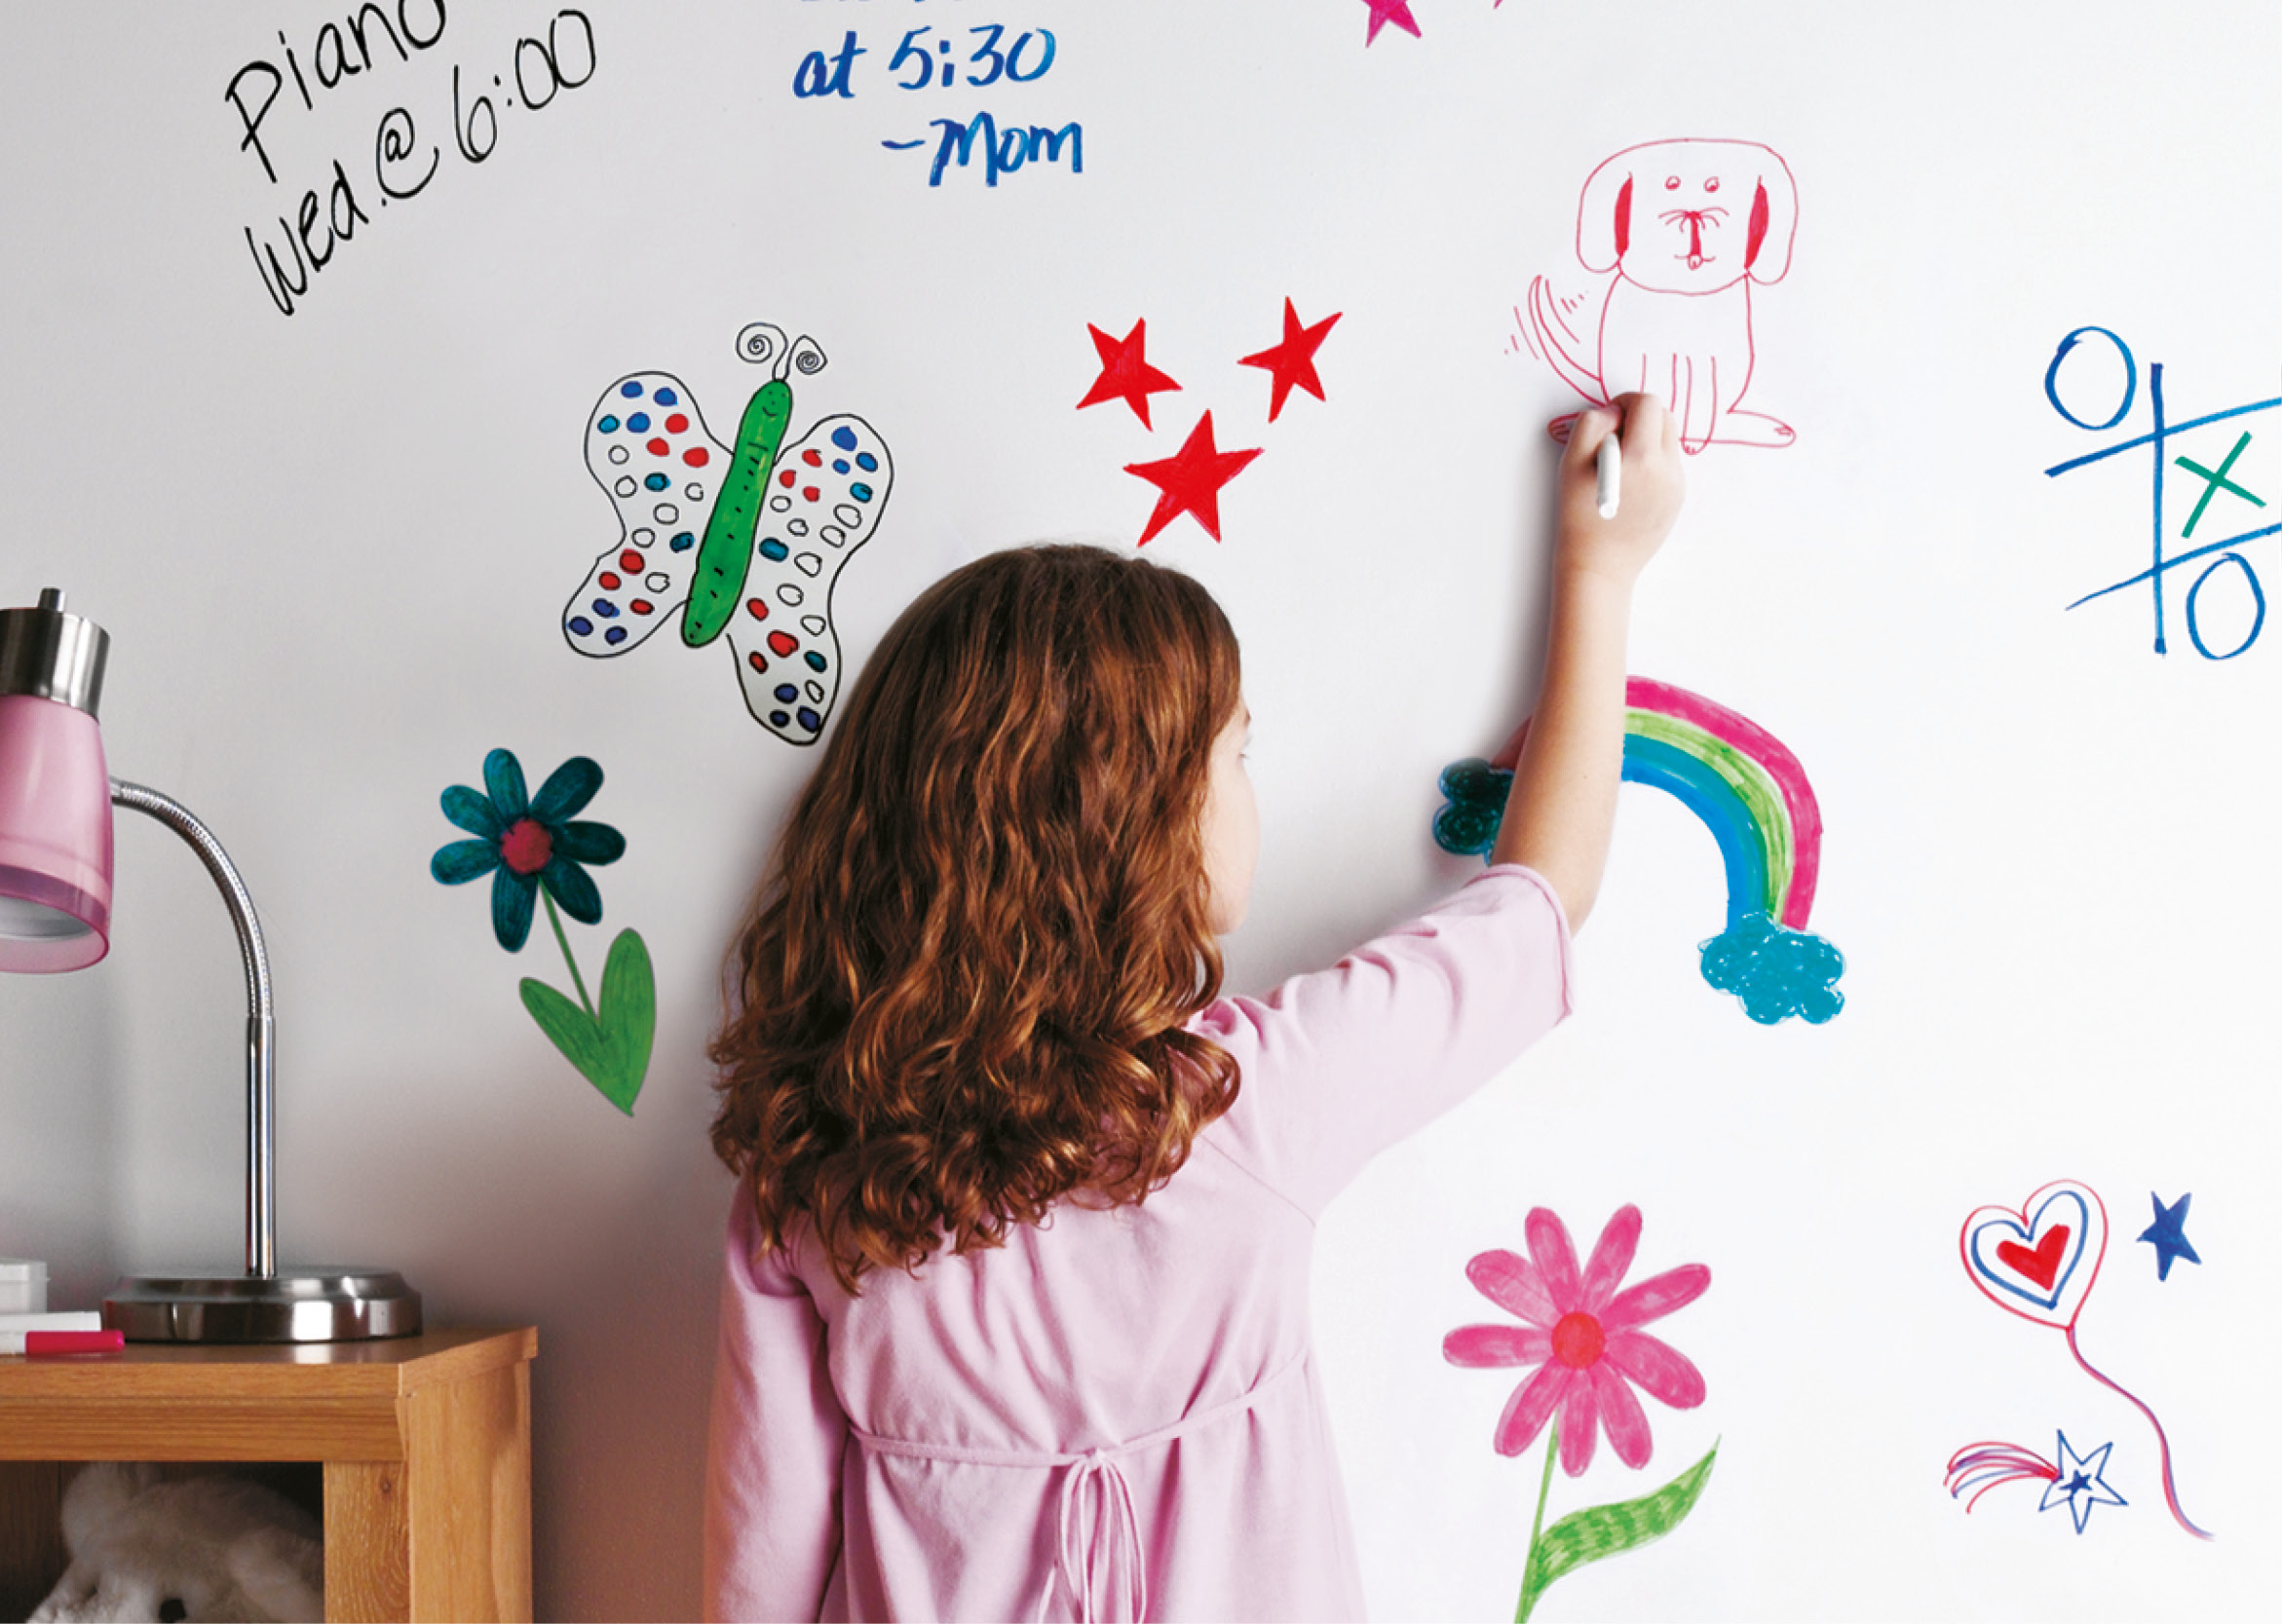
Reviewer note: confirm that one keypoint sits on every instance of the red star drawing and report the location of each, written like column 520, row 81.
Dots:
column 1126, row 372
column 1190, row 480
column 1396, row 12
column 1293, row 361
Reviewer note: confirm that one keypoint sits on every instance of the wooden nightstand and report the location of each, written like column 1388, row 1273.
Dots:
column 425, row 1443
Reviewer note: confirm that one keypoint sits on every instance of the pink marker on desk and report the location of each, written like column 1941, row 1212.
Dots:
column 42, row 1344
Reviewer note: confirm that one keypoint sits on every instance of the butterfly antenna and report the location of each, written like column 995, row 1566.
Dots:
column 763, row 344
column 807, row 357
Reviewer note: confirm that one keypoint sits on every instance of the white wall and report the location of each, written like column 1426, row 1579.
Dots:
column 332, row 549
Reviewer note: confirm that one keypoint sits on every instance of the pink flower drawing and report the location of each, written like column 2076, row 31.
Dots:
column 1584, row 1337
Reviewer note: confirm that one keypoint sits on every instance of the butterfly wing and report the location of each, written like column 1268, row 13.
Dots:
column 652, row 453
column 825, row 499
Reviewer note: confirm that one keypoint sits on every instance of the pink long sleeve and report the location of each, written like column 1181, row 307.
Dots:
column 1341, row 1063
column 772, row 1464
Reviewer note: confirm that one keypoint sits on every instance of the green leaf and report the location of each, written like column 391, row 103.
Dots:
column 629, row 1020
column 612, row 1048
column 570, row 1029
column 1605, row 1530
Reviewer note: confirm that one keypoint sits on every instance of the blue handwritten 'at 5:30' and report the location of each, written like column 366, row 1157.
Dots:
column 916, row 62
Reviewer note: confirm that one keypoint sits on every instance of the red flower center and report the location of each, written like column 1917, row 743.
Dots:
column 1577, row 1340
column 526, row 847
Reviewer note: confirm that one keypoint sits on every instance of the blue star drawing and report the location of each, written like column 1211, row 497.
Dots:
column 2080, row 1483
column 2168, row 1233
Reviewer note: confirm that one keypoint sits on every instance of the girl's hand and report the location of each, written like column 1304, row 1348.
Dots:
column 1648, row 491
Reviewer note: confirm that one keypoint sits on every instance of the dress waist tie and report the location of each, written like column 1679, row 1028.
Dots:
column 1098, row 1559
column 1099, row 1540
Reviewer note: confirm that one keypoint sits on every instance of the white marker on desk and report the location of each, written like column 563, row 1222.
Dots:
column 1609, row 466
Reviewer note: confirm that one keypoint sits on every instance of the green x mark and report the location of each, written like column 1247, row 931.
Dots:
column 2215, row 483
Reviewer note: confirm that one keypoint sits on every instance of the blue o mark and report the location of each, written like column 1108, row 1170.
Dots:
column 615, row 635
column 810, row 720
column 788, row 692
column 777, row 719
column 2258, row 598
column 640, row 422
column 667, row 398
column 580, row 626
column 816, row 660
column 607, row 426
column 656, row 482
column 2131, row 378
column 867, row 462
column 775, row 551
column 839, row 465
column 860, row 491
column 632, row 389
column 844, row 437
column 606, row 609
column 683, row 541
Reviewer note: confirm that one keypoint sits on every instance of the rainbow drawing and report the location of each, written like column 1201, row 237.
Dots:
column 1750, row 791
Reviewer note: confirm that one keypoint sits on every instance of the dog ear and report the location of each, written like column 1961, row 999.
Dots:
column 1604, row 213
column 1775, row 219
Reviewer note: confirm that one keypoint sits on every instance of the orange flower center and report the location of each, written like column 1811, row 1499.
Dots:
column 526, row 847
column 1577, row 1340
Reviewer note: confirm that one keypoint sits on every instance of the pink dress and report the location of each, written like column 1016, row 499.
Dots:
column 1117, row 1413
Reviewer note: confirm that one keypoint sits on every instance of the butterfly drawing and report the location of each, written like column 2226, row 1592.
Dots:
column 745, row 540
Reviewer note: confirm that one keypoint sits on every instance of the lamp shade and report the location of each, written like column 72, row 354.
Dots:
column 55, row 791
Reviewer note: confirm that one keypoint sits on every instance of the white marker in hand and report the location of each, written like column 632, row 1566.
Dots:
column 1609, row 466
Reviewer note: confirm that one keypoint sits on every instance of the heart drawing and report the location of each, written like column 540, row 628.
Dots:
column 2040, row 1264
column 2039, row 1260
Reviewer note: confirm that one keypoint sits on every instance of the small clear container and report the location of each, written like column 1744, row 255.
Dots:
column 24, row 1286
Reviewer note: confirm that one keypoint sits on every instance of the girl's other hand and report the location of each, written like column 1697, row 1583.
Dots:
column 1649, row 489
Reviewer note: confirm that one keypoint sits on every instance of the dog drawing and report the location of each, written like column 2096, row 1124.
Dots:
column 1687, row 227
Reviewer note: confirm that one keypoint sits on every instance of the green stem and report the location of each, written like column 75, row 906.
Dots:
column 554, row 919
column 1529, row 1569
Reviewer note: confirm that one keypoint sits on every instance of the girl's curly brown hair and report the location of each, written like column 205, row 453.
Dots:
column 960, row 990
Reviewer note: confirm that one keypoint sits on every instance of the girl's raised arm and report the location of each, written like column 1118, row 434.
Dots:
column 1563, row 803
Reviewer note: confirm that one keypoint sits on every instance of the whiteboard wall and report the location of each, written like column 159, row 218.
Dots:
column 335, row 550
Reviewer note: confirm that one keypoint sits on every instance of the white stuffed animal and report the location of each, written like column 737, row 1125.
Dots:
column 202, row 1548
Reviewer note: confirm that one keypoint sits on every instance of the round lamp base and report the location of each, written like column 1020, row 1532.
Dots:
column 293, row 1305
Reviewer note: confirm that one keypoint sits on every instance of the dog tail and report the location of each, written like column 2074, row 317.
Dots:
column 1557, row 342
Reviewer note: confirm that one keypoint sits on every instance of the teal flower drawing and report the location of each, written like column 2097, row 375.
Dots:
column 526, row 844
column 536, row 851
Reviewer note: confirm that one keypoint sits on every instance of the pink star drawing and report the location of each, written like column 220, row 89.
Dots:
column 1126, row 372
column 1396, row 12
column 1584, row 1335
column 1190, row 480
column 1293, row 361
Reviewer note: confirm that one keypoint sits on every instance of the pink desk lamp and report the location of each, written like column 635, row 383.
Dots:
column 55, row 800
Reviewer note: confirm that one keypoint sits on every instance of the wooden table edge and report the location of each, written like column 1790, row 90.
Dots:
column 388, row 1369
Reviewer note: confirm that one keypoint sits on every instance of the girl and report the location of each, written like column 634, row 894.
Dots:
column 1015, row 1322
